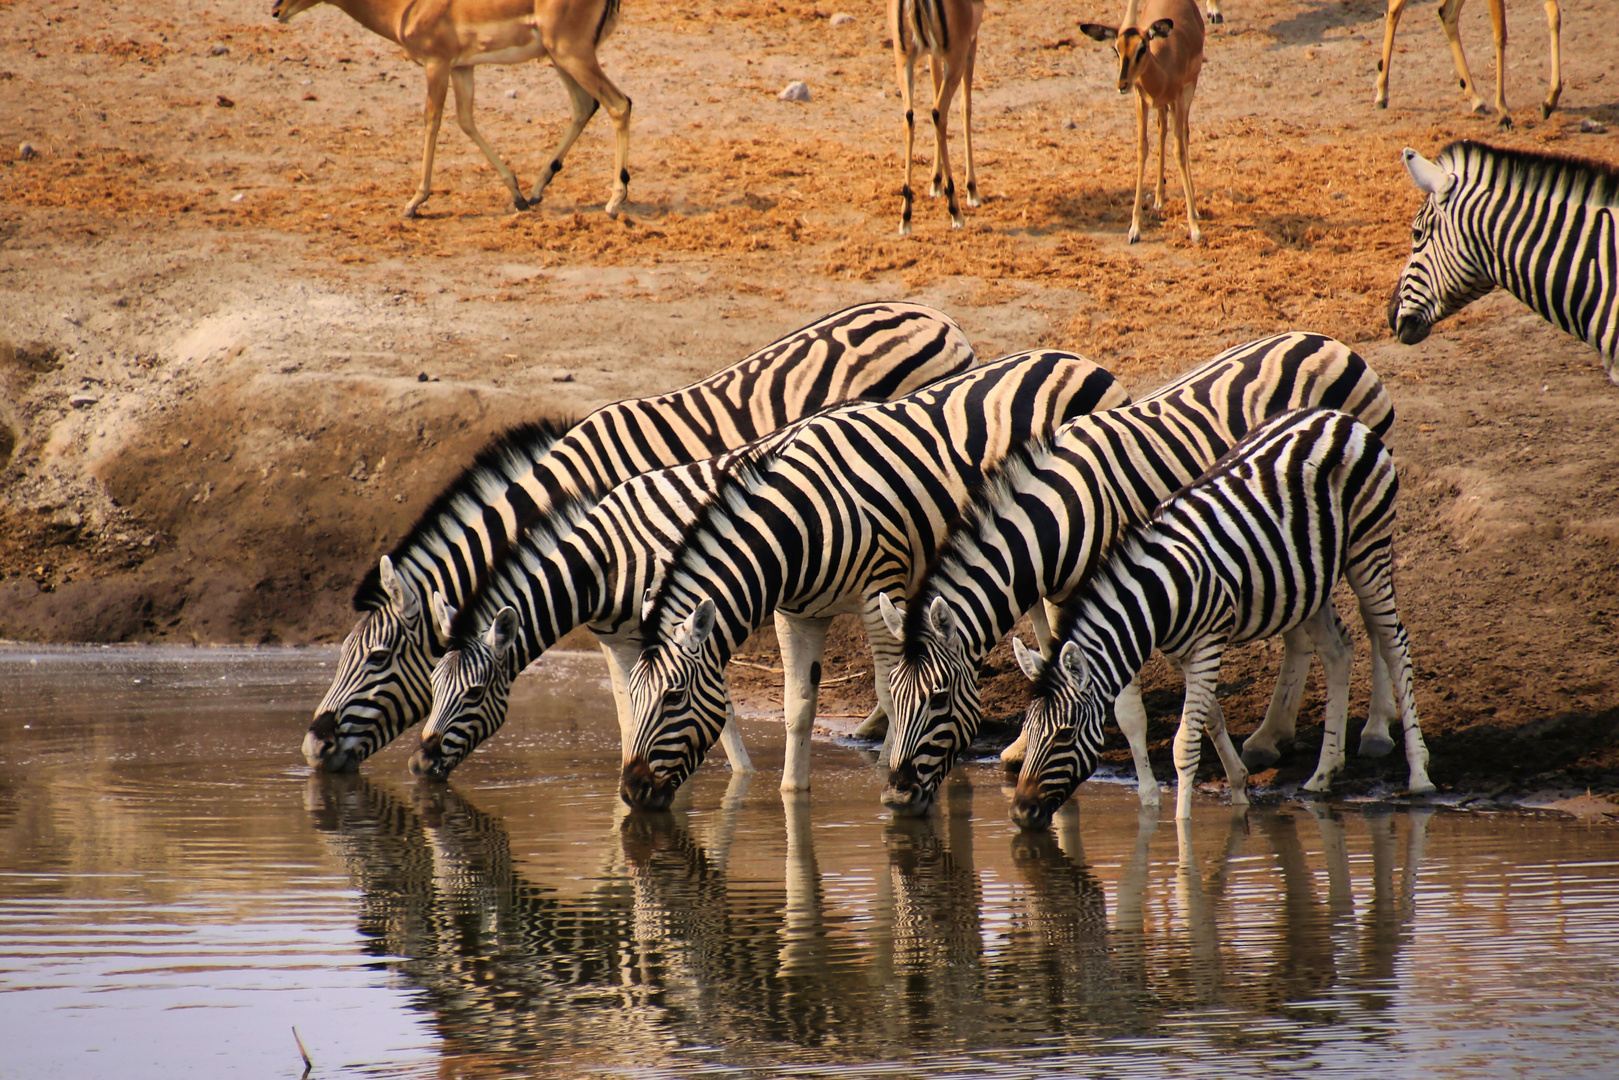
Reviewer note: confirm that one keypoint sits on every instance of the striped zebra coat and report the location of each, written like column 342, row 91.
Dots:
column 595, row 565
column 1040, row 526
column 870, row 352
column 850, row 507
column 1542, row 226
column 1252, row 549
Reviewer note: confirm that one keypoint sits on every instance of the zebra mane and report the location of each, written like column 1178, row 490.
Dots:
column 1090, row 596
column 1531, row 167
column 525, row 443
column 1001, row 483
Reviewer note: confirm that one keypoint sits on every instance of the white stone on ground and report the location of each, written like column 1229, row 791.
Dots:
column 797, row 90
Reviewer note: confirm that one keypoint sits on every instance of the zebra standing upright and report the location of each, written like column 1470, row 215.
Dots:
column 870, row 352
column 595, row 566
column 1542, row 226
column 849, row 508
column 1252, row 549
column 1040, row 525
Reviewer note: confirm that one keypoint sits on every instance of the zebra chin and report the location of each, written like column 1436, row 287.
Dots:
column 430, row 762
column 322, row 750
column 905, row 795
column 642, row 789
column 1407, row 329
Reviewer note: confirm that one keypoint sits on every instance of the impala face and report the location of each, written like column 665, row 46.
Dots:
column 471, row 687
column 283, row 10
column 1131, row 45
column 1064, row 728
column 936, row 710
column 1442, row 275
column 679, row 702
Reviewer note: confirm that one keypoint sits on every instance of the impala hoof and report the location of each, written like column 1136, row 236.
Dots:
column 1135, row 235
column 1375, row 746
column 1381, row 103
column 519, row 204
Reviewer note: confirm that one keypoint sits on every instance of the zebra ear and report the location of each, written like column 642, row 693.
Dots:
column 443, row 614
column 1427, row 176
column 502, row 632
column 943, row 620
column 1073, row 663
column 1028, row 660
column 692, row 634
column 400, row 594
column 893, row 616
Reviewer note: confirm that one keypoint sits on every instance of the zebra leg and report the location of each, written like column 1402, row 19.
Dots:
column 1236, row 772
column 1335, row 853
column 1390, row 22
column 620, row 658
column 1041, row 620
column 1374, row 585
column 884, row 654
column 1554, row 23
column 1260, row 750
column 1449, row 12
column 803, row 642
column 1201, row 666
column 1131, row 716
column 731, row 740
column 1141, row 162
column 582, row 107
column 1338, row 658
column 1374, row 737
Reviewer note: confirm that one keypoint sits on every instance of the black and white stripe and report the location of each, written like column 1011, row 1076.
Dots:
column 1542, row 226
column 1041, row 524
column 1252, row 549
column 850, row 507
column 870, row 352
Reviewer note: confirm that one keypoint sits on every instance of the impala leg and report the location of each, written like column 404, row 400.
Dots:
column 1390, row 22
column 1449, row 12
column 967, row 123
column 1141, row 163
column 1183, row 154
column 1337, row 657
column 1131, row 716
column 1261, row 750
column 1554, row 23
column 1498, row 23
column 580, row 62
column 941, row 119
column 905, row 72
column 803, row 642
column 1201, row 668
column 936, row 65
column 1212, row 9
column 462, row 79
column 438, row 84
column 583, row 107
column 1163, row 151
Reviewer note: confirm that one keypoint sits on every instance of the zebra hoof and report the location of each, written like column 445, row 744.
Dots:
column 905, row 228
column 1375, row 746
column 1259, row 758
column 1505, row 123
column 1422, row 790
column 1217, row 18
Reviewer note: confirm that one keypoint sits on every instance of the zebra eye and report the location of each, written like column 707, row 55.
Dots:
column 673, row 696
column 378, row 655
column 474, row 695
column 938, row 699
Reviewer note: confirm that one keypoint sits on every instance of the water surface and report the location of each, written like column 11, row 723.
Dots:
column 177, row 892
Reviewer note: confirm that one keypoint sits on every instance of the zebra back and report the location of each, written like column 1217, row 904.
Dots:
column 1542, row 226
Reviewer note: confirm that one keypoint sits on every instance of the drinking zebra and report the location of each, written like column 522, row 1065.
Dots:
column 1252, row 549
column 1542, row 226
column 594, row 565
column 851, row 506
column 1039, row 527
column 872, row 352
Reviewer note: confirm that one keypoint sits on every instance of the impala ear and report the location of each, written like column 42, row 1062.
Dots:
column 1159, row 29
column 502, row 632
column 1073, row 663
column 893, row 616
column 443, row 614
column 1098, row 31
column 1028, row 660
column 1427, row 176
column 693, row 634
column 943, row 620
column 400, row 594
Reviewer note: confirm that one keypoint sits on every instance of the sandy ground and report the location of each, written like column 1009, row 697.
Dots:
column 233, row 375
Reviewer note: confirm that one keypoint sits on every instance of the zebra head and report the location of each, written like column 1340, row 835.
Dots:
column 679, row 701
column 470, row 687
column 934, row 690
column 1064, row 728
column 1445, row 272
column 381, row 686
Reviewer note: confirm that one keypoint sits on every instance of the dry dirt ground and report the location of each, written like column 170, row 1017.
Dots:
column 232, row 375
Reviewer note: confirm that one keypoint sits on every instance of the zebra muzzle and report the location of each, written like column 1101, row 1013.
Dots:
column 429, row 760
column 642, row 789
column 320, row 746
column 905, row 795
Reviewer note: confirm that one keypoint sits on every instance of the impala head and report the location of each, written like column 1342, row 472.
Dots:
column 1131, row 43
column 934, row 689
column 381, row 686
column 1444, row 273
column 470, row 686
column 283, row 10
column 679, row 701
column 1064, row 726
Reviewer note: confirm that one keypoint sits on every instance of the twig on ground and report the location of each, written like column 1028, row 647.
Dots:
column 305, row 1053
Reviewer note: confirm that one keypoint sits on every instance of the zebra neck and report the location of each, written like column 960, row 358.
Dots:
column 1119, row 619
column 552, row 593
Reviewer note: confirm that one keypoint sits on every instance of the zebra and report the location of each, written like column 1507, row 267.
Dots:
column 872, row 351
column 1542, row 226
column 594, row 563
column 850, row 507
column 1040, row 525
column 1252, row 549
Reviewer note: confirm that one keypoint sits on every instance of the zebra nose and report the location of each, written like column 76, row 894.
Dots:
column 1030, row 813
column 1410, row 329
column 640, row 788
column 321, row 740
column 428, row 761
column 904, row 794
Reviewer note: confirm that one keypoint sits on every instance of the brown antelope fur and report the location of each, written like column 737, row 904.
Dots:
column 1449, row 12
column 1160, row 50
column 948, row 31
column 449, row 37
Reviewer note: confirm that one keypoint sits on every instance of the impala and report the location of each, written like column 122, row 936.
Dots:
column 948, row 31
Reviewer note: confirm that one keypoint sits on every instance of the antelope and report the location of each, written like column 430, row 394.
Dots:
column 1160, row 49
column 1449, row 12
column 449, row 37
column 948, row 30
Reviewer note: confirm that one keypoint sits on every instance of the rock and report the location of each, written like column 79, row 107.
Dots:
column 842, row 18
column 566, row 376
column 224, row 102
column 82, row 401
column 511, row 93
column 1588, row 125
column 219, row 50
column 797, row 90
column 1069, row 125
column 26, row 152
